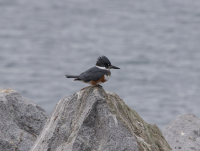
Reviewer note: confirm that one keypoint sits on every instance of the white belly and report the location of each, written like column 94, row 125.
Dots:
column 106, row 77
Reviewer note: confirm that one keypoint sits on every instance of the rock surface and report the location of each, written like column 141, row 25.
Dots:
column 183, row 133
column 95, row 120
column 21, row 121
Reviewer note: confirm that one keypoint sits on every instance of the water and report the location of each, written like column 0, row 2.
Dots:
column 155, row 43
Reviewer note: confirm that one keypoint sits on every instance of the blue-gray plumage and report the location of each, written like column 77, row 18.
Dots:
column 93, row 73
column 98, row 74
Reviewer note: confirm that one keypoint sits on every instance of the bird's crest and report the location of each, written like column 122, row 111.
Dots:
column 102, row 60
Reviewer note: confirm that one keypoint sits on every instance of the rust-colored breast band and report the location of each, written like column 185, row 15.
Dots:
column 102, row 80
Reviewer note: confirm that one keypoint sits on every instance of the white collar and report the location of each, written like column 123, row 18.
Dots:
column 102, row 68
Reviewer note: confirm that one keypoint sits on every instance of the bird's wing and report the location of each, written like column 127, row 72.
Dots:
column 93, row 73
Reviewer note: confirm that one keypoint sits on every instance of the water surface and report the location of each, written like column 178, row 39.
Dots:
column 155, row 43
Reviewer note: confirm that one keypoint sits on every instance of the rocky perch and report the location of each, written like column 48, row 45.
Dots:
column 21, row 121
column 95, row 120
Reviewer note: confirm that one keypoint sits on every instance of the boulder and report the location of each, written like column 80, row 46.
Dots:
column 21, row 121
column 95, row 120
column 183, row 133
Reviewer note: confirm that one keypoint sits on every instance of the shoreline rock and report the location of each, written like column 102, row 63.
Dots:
column 183, row 133
column 89, row 120
column 95, row 120
column 21, row 121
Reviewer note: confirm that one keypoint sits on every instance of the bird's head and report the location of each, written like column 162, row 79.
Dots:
column 104, row 63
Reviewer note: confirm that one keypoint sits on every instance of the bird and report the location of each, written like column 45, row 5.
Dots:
column 97, row 74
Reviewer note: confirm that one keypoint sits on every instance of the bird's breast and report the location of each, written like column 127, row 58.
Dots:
column 103, row 79
column 106, row 77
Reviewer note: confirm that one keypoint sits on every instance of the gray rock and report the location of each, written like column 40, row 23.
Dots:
column 95, row 120
column 183, row 133
column 21, row 121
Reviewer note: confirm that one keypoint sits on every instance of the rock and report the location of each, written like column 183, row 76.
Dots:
column 95, row 120
column 183, row 133
column 21, row 121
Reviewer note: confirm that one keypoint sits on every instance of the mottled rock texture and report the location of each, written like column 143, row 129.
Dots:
column 183, row 133
column 95, row 120
column 21, row 121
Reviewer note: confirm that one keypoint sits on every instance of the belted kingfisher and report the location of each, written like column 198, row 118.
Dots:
column 97, row 74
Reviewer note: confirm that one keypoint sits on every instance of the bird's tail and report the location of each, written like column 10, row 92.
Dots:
column 71, row 76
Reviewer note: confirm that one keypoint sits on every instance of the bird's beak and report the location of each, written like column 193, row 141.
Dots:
column 114, row 67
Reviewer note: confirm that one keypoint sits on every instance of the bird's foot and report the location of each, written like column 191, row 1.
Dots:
column 98, row 85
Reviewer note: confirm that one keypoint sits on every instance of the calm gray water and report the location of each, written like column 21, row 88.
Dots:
column 155, row 43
